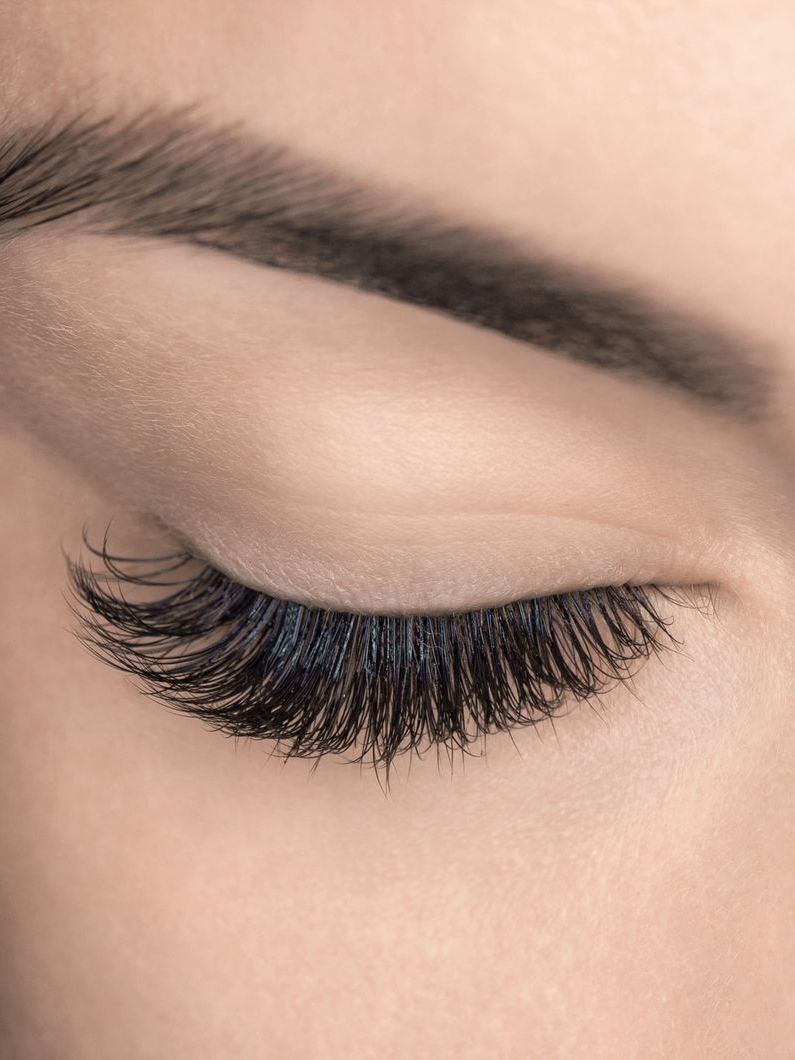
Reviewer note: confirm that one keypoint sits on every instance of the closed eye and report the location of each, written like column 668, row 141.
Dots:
column 369, row 686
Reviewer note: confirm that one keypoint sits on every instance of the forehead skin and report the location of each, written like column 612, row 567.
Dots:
column 625, row 892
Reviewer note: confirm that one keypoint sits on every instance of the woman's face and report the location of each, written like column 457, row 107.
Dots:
column 394, row 420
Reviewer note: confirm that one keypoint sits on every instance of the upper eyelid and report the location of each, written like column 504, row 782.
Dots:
column 187, row 555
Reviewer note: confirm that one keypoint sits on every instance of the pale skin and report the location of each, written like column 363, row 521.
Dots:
column 622, row 885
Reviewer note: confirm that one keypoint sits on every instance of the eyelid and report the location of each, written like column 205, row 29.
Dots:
column 475, row 421
column 445, row 563
column 319, row 682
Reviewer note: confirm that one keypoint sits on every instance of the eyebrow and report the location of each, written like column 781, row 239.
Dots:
column 175, row 176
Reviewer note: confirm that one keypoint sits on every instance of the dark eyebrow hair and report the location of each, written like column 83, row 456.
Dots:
column 173, row 175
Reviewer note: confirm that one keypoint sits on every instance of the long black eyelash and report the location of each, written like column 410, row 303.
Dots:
column 319, row 682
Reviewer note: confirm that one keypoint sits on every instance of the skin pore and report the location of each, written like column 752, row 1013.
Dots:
column 620, row 884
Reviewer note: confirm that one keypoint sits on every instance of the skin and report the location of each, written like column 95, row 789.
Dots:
column 622, row 884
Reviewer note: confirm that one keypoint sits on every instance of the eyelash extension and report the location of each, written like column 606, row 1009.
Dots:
column 320, row 682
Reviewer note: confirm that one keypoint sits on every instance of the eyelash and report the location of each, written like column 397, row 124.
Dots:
column 321, row 682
